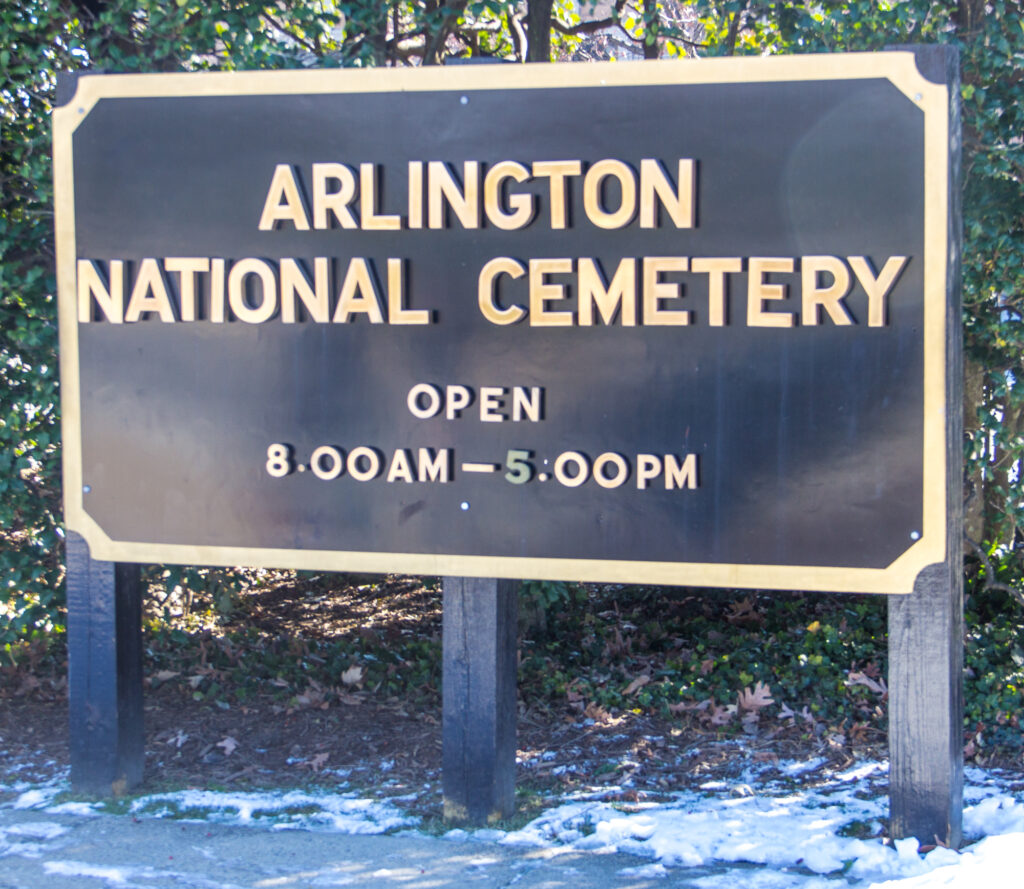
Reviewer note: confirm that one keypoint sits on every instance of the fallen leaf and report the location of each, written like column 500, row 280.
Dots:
column 353, row 675
column 706, row 666
column 315, row 763
column 165, row 675
column 722, row 715
column 229, row 745
column 743, row 612
column 879, row 687
column 637, row 684
column 760, row 697
column 178, row 739
column 814, row 626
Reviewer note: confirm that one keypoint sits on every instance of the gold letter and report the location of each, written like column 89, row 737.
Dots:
column 149, row 280
column 678, row 202
column 648, row 467
column 91, row 284
column 542, row 292
column 759, row 292
column 878, row 288
column 397, row 313
column 592, row 184
column 522, row 204
column 236, row 291
column 436, row 468
column 368, row 203
column 217, row 291
column 294, row 281
column 415, row 194
column 187, row 268
column 485, row 290
column 556, row 171
column 527, row 403
column 491, row 403
column 717, row 269
column 283, row 201
column 465, row 204
column 401, row 467
column 358, row 294
column 335, row 201
column 655, row 290
column 592, row 291
column 678, row 476
column 829, row 298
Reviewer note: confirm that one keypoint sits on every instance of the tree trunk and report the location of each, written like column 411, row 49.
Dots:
column 974, row 396
column 538, row 30
column 652, row 49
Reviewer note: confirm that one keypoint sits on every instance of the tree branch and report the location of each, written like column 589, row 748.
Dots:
column 432, row 53
column 990, row 579
column 734, row 29
column 312, row 47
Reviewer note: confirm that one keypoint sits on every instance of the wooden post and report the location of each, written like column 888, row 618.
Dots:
column 479, row 699
column 926, row 774
column 105, row 672
column 926, row 629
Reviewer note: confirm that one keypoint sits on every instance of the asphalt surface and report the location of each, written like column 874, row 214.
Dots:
column 40, row 850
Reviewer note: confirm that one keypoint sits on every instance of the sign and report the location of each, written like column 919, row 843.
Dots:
column 665, row 322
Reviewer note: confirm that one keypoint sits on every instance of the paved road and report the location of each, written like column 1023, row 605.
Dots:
column 39, row 850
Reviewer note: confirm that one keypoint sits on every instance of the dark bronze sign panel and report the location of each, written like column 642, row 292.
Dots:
column 669, row 322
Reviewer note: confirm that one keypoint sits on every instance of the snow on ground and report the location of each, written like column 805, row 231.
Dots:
column 797, row 833
column 807, row 833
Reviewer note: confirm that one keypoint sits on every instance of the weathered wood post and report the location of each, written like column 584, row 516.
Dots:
column 105, row 672
column 479, row 692
column 926, row 628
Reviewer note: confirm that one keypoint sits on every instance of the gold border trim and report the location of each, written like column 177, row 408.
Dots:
column 898, row 67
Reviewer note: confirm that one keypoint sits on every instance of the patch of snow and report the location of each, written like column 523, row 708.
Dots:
column 37, row 795
column 994, row 863
column 280, row 811
column 115, row 876
column 994, row 816
column 35, row 798
column 645, row 871
column 800, row 831
column 26, row 840
column 864, row 770
column 764, row 879
column 800, row 767
column 72, row 808
column 36, row 830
